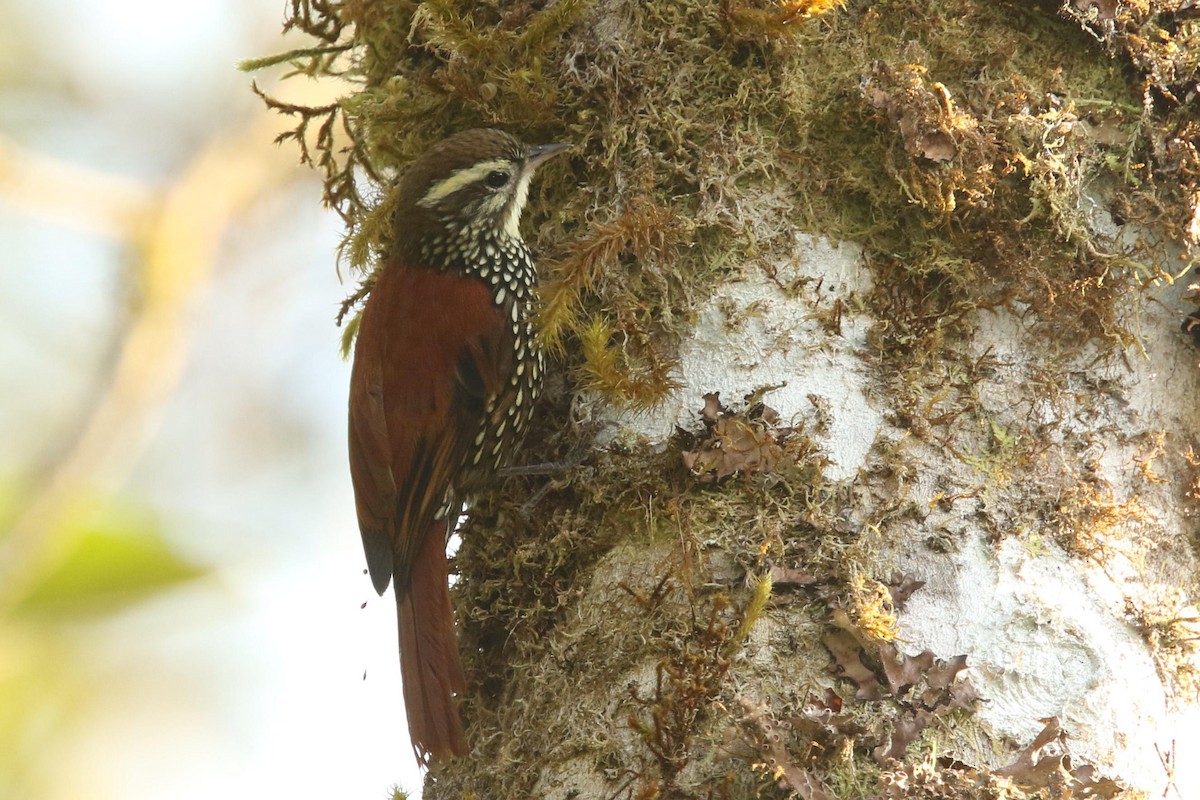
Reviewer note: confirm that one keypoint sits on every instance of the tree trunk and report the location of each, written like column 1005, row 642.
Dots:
column 875, row 311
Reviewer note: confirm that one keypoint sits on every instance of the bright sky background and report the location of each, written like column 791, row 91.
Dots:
column 250, row 683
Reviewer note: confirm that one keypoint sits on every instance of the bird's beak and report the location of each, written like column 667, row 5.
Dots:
column 543, row 152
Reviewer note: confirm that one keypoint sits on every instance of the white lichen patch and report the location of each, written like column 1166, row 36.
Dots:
column 1083, row 451
column 795, row 331
column 1041, row 643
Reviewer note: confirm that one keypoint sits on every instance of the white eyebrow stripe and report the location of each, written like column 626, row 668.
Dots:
column 463, row 177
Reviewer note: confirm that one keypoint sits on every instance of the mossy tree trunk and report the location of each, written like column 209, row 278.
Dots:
column 873, row 312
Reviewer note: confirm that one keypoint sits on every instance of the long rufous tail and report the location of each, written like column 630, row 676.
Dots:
column 429, row 661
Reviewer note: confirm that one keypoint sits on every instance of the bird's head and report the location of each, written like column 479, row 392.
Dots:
column 472, row 184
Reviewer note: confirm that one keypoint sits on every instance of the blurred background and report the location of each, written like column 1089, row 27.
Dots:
column 180, row 572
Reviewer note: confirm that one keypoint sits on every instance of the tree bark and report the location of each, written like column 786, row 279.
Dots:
column 876, row 309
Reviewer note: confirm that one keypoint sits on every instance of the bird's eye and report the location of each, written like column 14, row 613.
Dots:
column 496, row 178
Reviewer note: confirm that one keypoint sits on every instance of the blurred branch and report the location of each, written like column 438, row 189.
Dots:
column 176, row 247
column 72, row 195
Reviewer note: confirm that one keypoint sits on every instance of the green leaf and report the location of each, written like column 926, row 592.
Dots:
column 116, row 561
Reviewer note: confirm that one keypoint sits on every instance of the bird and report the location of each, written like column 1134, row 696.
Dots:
column 446, row 370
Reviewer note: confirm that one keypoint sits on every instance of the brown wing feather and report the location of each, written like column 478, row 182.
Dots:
column 370, row 466
column 418, row 394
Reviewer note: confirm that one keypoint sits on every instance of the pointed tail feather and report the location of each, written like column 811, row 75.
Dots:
column 429, row 660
